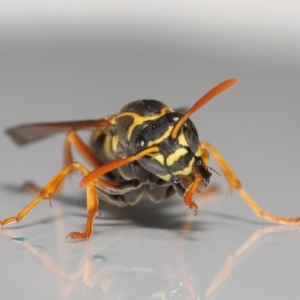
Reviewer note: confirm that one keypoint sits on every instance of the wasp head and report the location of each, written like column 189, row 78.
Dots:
column 179, row 159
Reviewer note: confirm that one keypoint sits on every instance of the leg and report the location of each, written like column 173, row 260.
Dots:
column 209, row 191
column 189, row 194
column 72, row 139
column 92, row 209
column 234, row 183
column 51, row 188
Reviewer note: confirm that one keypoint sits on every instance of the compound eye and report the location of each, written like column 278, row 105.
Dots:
column 191, row 135
column 140, row 144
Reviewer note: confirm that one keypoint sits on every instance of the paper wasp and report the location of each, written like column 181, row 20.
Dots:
column 147, row 150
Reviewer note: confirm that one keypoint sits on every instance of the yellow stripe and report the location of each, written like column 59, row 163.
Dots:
column 159, row 157
column 107, row 147
column 114, row 143
column 181, row 139
column 160, row 139
column 199, row 152
column 138, row 119
column 172, row 158
column 166, row 177
column 187, row 170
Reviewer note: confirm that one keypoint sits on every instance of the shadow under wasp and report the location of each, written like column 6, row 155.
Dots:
column 146, row 150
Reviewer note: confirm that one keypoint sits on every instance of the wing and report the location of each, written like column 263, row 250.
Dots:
column 28, row 133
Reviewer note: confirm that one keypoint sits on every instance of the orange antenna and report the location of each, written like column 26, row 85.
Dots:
column 203, row 100
column 116, row 164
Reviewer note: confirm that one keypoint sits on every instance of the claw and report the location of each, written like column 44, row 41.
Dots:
column 78, row 235
column 193, row 206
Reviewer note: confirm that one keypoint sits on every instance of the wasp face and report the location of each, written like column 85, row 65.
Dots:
column 179, row 160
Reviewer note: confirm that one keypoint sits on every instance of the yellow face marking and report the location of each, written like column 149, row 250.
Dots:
column 172, row 158
column 166, row 177
column 187, row 170
column 159, row 157
column 160, row 139
column 181, row 139
column 199, row 152
column 138, row 119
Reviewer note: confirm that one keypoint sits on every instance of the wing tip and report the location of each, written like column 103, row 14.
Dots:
column 15, row 136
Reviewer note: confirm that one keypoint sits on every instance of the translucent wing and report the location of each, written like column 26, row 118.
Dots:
column 27, row 133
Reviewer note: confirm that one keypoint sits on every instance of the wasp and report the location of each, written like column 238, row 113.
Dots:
column 147, row 150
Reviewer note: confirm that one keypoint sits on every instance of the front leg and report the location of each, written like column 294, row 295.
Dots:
column 235, row 184
column 51, row 188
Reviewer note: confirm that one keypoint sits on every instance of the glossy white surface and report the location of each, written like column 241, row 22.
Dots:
column 91, row 69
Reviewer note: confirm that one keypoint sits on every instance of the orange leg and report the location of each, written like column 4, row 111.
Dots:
column 209, row 191
column 189, row 194
column 51, row 188
column 72, row 139
column 235, row 184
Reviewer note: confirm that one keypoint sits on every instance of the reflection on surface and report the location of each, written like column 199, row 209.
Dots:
column 148, row 271
column 254, row 241
column 128, row 266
